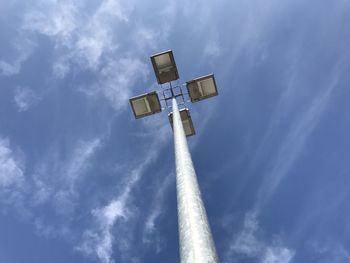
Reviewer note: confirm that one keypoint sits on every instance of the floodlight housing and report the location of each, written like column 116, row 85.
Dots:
column 202, row 88
column 186, row 122
column 165, row 67
column 145, row 104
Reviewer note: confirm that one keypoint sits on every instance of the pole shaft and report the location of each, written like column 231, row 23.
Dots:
column 196, row 242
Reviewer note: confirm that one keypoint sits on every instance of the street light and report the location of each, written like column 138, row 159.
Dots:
column 164, row 67
column 202, row 88
column 145, row 104
column 186, row 122
column 195, row 239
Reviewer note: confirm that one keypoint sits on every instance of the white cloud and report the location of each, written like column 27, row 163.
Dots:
column 81, row 155
column 100, row 242
column 278, row 255
column 61, row 67
column 115, row 8
column 24, row 49
column 11, row 166
column 42, row 193
column 54, row 182
column 12, row 180
column 157, row 205
column 294, row 142
column 146, row 38
column 117, row 78
column 250, row 243
column 53, row 18
column 151, row 235
column 66, row 197
column 82, row 37
column 246, row 242
column 8, row 69
column 85, row 39
column 330, row 251
column 115, row 222
column 88, row 41
column 53, row 186
column 212, row 50
column 24, row 98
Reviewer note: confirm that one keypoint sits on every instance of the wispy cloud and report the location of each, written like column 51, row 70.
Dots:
column 278, row 255
column 53, row 18
column 212, row 50
column 117, row 87
column 83, row 37
column 246, row 242
column 114, row 222
column 8, row 69
column 330, row 251
column 151, row 236
column 12, row 179
column 99, row 242
column 11, row 166
column 52, row 185
column 56, row 180
column 24, row 48
column 88, row 42
column 294, row 142
column 249, row 242
column 24, row 98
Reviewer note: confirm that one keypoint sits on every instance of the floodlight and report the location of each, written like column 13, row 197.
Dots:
column 145, row 104
column 186, row 121
column 202, row 88
column 164, row 67
column 192, row 216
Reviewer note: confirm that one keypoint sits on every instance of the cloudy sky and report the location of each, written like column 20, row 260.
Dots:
column 82, row 181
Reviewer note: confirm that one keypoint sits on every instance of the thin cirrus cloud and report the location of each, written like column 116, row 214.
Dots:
column 83, row 38
column 24, row 48
column 8, row 69
column 330, row 251
column 24, row 98
column 52, row 185
column 93, row 57
column 111, row 230
column 301, row 120
column 12, row 178
column 99, row 240
column 88, row 42
column 250, row 243
column 290, row 150
column 294, row 142
column 151, row 235
column 11, row 166
column 65, row 199
column 55, row 181
column 82, row 43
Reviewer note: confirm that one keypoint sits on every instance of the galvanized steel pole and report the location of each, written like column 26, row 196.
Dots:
column 196, row 242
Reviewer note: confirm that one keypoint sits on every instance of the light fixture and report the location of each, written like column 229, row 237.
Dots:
column 202, row 88
column 164, row 67
column 186, row 121
column 146, row 104
column 195, row 239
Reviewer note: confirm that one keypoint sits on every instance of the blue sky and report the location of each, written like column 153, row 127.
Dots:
column 82, row 181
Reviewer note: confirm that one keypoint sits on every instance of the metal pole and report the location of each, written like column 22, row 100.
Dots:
column 196, row 242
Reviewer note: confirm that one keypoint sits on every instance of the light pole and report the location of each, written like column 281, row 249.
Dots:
column 195, row 238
